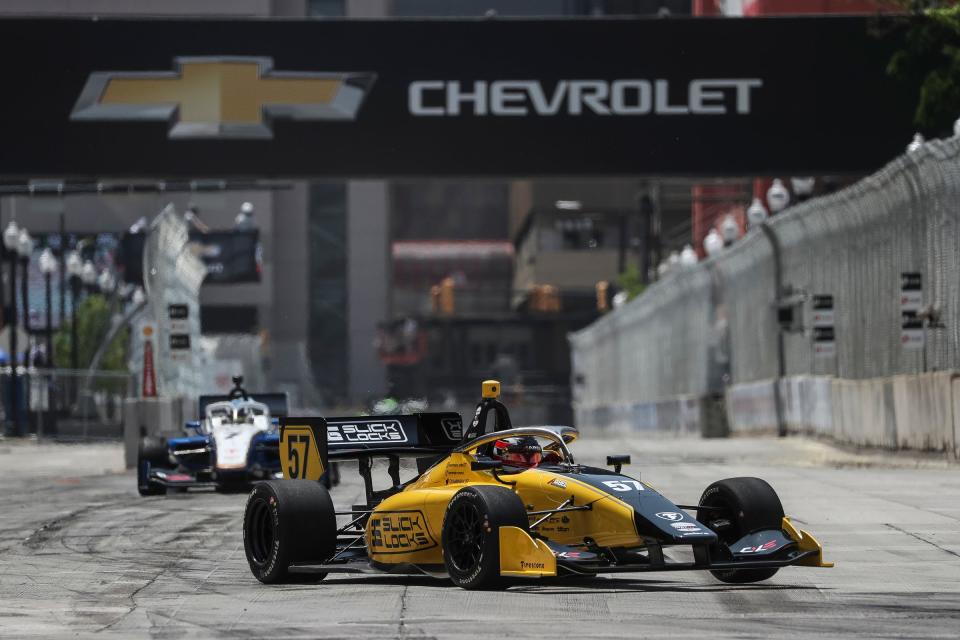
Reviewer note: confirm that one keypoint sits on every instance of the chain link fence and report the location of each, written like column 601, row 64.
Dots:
column 702, row 328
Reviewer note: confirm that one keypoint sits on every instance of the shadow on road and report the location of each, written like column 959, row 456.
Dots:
column 573, row 585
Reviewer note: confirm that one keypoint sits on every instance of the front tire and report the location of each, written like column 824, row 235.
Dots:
column 471, row 534
column 286, row 522
column 741, row 507
column 151, row 453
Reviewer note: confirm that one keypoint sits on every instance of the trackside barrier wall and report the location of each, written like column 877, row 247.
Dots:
column 701, row 329
column 900, row 412
column 677, row 416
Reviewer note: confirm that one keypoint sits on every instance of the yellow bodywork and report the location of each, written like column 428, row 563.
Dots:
column 407, row 527
column 805, row 542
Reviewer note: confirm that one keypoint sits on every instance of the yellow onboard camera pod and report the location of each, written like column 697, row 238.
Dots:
column 491, row 389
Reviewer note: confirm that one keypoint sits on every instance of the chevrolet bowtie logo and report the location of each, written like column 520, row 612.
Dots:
column 233, row 97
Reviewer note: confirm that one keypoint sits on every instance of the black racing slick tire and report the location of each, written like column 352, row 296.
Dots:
column 288, row 522
column 151, row 453
column 471, row 534
column 740, row 506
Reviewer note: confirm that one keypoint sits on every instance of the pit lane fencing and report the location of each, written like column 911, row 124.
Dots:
column 705, row 329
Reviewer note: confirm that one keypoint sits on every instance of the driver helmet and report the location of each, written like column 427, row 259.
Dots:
column 522, row 451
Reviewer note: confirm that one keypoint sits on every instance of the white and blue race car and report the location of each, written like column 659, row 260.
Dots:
column 235, row 444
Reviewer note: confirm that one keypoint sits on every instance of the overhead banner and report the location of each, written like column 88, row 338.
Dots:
column 698, row 96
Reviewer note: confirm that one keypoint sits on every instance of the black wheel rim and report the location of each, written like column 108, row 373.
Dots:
column 260, row 531
column 465, row 541
column 723, row 513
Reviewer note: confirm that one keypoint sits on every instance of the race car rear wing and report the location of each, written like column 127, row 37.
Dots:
column 308, row 444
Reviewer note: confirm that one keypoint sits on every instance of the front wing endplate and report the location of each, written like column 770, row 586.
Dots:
column 805, row 542
column 524, row 557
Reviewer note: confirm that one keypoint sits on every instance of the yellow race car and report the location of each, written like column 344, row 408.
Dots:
column 492, row 503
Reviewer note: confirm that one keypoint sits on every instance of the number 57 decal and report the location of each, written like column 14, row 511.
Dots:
column 624, row 485
column 299, row 454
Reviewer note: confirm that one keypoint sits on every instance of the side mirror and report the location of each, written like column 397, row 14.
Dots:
column 486, row 465
column 618, row 461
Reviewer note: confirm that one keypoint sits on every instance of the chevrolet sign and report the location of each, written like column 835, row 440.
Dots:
column 717, row 96
column 221, row 97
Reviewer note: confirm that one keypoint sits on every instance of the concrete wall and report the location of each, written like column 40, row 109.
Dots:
column 685, row 415
column 917, row 412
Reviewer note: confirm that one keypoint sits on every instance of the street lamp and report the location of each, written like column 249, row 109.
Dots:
column 244, row 219
column 48, row 266
column 74, row 268
column 713, row 243
column 777, row 196
column 802, row 187
column 25, row 248
column 916, row 143
column 730, row 230
column 89, row 276
column 11, row 241
column 108, row 285
column 756, row 213
column 106, row 281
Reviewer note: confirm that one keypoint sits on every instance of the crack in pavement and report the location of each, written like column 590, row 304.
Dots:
column 922, row 539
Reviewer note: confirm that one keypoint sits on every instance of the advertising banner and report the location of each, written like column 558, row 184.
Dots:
column 279, row 98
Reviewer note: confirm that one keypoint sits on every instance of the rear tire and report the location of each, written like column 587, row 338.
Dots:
column 471, row 534
column 286, row 522
column 745, row 505
column 151, row 453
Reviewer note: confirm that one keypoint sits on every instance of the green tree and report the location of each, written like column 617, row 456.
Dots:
column 631, row 282
column 93, row 323
column 931, row 53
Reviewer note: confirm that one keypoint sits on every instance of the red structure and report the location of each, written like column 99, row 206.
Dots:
column 805, row 7
column 797, row 7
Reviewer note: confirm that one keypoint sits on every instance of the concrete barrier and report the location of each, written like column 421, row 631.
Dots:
column 924, row 411
column 808, row 404
column 684, row 415
column 751, row 408
column 902, row 412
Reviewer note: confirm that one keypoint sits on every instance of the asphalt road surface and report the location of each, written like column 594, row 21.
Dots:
column 81, row 555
